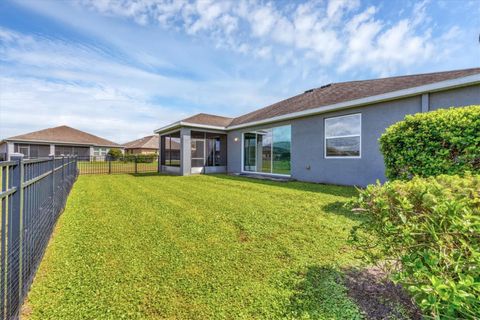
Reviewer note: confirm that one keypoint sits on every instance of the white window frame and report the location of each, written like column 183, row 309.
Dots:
column 256, row 152
column 344, row 136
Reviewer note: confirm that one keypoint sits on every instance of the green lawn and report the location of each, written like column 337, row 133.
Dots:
column 198, row 247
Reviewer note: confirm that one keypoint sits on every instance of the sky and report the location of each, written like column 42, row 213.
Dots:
column 121, row 69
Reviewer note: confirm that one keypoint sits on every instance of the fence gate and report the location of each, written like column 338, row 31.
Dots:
column 33, row 194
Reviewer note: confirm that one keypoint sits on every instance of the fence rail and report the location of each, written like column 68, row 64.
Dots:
column 32, row 196
column 125, row 164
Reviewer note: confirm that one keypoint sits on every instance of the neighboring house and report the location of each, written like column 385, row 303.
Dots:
column 62, row 140
column 328, row 134
column 145, row 145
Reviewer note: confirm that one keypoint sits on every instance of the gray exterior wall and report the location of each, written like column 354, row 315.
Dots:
column 457, row 97
column 307, row 145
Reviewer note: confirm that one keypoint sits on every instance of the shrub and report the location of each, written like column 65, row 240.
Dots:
column 146, row 158
column 426, row 232
column 140, row 158
column 115, row 153
column 446, row 141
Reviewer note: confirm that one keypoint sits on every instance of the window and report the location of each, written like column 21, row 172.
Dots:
column 267, row 150
column 343, row 136
column 96, row 151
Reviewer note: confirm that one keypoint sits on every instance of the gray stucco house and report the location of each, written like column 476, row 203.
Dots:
column 61, row 140
column 328, row 134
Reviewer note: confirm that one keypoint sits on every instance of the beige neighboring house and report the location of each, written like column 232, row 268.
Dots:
column 62, row 140
column 145, row 145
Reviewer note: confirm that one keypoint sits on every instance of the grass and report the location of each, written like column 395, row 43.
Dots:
column 198, row 247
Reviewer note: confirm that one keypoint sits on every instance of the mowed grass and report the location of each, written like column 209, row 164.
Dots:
column 198, row 247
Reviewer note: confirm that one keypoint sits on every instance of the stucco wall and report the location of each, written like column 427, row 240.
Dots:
column 308, row 139
column 456, row 97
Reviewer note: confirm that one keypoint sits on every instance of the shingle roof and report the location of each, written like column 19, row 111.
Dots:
column 64, row 134
column 347, row 91
column 148, row 142
column 209, row 119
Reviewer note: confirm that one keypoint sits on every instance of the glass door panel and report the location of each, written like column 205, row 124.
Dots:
column 249, row 152
column 266, row 143
column 281, row 150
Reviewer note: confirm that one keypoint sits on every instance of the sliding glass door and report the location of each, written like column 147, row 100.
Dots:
column 267, row 150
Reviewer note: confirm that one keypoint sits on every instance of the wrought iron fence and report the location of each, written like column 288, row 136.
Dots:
column 32, row 196
column 125, row 164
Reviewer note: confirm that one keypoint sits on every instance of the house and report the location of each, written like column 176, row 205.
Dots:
column 62, row 140
column 145, row 145
column 327, row 135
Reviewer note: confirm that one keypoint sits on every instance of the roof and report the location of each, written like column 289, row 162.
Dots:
column 64, row 134
column 336, row 96
column 209, row 120
column 200, row 120
column 148, row 142
column 347, row 91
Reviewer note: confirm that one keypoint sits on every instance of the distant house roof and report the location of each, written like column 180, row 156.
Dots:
column 148, row 142
column 347, row 91
column 334, row 95
column 64, row 134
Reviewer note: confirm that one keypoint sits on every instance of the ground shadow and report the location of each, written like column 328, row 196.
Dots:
column 336, row 190
column 150, row 174
column 341, row 208
column 320, row 294
column 327, row 293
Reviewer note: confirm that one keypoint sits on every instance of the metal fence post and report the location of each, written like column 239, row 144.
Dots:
column 15, row 238
column 136, row 170
column 52, row 160
column 63, row 171
column 109, row 166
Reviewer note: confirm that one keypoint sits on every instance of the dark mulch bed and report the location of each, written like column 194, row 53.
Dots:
column 378, row 297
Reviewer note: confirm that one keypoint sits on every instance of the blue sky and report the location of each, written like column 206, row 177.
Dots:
column 121, row 69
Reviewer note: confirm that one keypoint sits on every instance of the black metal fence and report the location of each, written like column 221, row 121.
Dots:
column 32, row 196
column 125, row 164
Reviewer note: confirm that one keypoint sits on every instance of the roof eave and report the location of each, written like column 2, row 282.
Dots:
column 63, row 142
column 180, row 124
column 432, row 87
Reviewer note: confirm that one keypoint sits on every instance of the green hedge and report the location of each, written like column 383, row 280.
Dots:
column 140, row 158
column 446, row 141
column 426, row 231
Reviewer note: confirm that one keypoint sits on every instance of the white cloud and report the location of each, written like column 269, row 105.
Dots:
column 323, row 32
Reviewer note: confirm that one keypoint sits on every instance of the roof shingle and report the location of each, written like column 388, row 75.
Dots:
column 347, row 91
column 65, row 134
column 209, row 119
column 148, row 142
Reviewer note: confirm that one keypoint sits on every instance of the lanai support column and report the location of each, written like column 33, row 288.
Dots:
column 185, row 152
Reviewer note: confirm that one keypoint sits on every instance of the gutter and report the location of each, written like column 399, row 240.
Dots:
column 61, row 142
column 179, row 124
